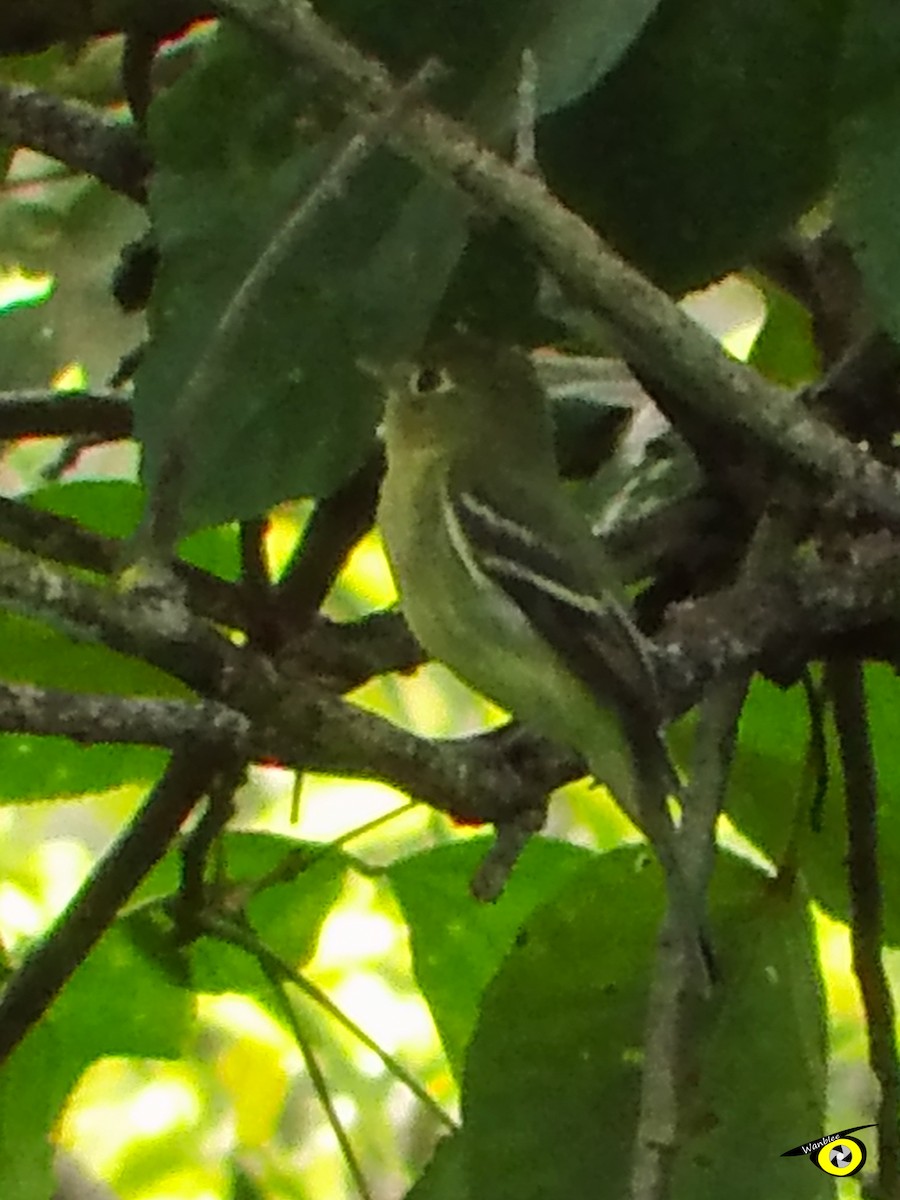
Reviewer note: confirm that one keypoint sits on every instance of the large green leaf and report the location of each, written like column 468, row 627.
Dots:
column 445, row 1176
column 768, row 785
column 711, row 134
column 574, row 43
column 34, row 767
column 287, row 409
column 553, row 1073
column 457, row 943
column 870, row 57
column 785, row 350
column 771, row 801
column 869, row 158
column 43, row 768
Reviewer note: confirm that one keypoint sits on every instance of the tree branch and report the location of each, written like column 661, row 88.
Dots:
column 39, row 980
column 301, row 723
column 66, row 541
column 27, row 27
column 96, row 718
column 653, row 333
column 84, row 138
column 845, row 680
column 63, row 414
column 336, row 525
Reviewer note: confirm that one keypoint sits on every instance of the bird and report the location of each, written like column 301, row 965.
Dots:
column 501, row 579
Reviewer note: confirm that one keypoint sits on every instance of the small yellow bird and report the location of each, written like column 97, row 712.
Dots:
column 501, row 579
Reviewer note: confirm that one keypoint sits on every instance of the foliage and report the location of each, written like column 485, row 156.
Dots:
column 216, row 229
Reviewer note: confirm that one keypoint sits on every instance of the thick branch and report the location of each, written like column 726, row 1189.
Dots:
column 777, row 622
column 153, row 626
column 295, row 720
column 300, row 723
column 84, row 138
column 64, row 414
column 65, row 541
column 95, row 718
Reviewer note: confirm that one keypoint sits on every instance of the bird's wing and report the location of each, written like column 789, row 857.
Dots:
column 540, row 566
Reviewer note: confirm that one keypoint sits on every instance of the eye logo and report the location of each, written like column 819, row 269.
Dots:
column 836, row 1153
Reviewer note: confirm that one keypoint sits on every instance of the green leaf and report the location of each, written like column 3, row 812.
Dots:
column 117, row 1002
column 552, row 1080
column 457, row 943
column 870, row 58
column 771, row 803
column 577, row 42
column 869, row 174
column 286, row 916
column 711, row 135
column 33, row 767
column 284, row 407
column 114, row 508
column 445, row 1176
column 868, row 97
column 767, row 786
column 288, row 410
column 574, row 42
column 109, row 506
column 785, row 350
column 31, row 652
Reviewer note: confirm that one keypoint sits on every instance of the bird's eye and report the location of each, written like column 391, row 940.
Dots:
column 428, row 380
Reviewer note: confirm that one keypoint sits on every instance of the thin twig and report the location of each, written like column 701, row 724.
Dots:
column 845, row 681
column 195, row 848
column 304, row 859
column 675, row 997
column 816, row 766
column 527, row 109
column 510, row 842
column 238, row 936
column 318, row 1081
